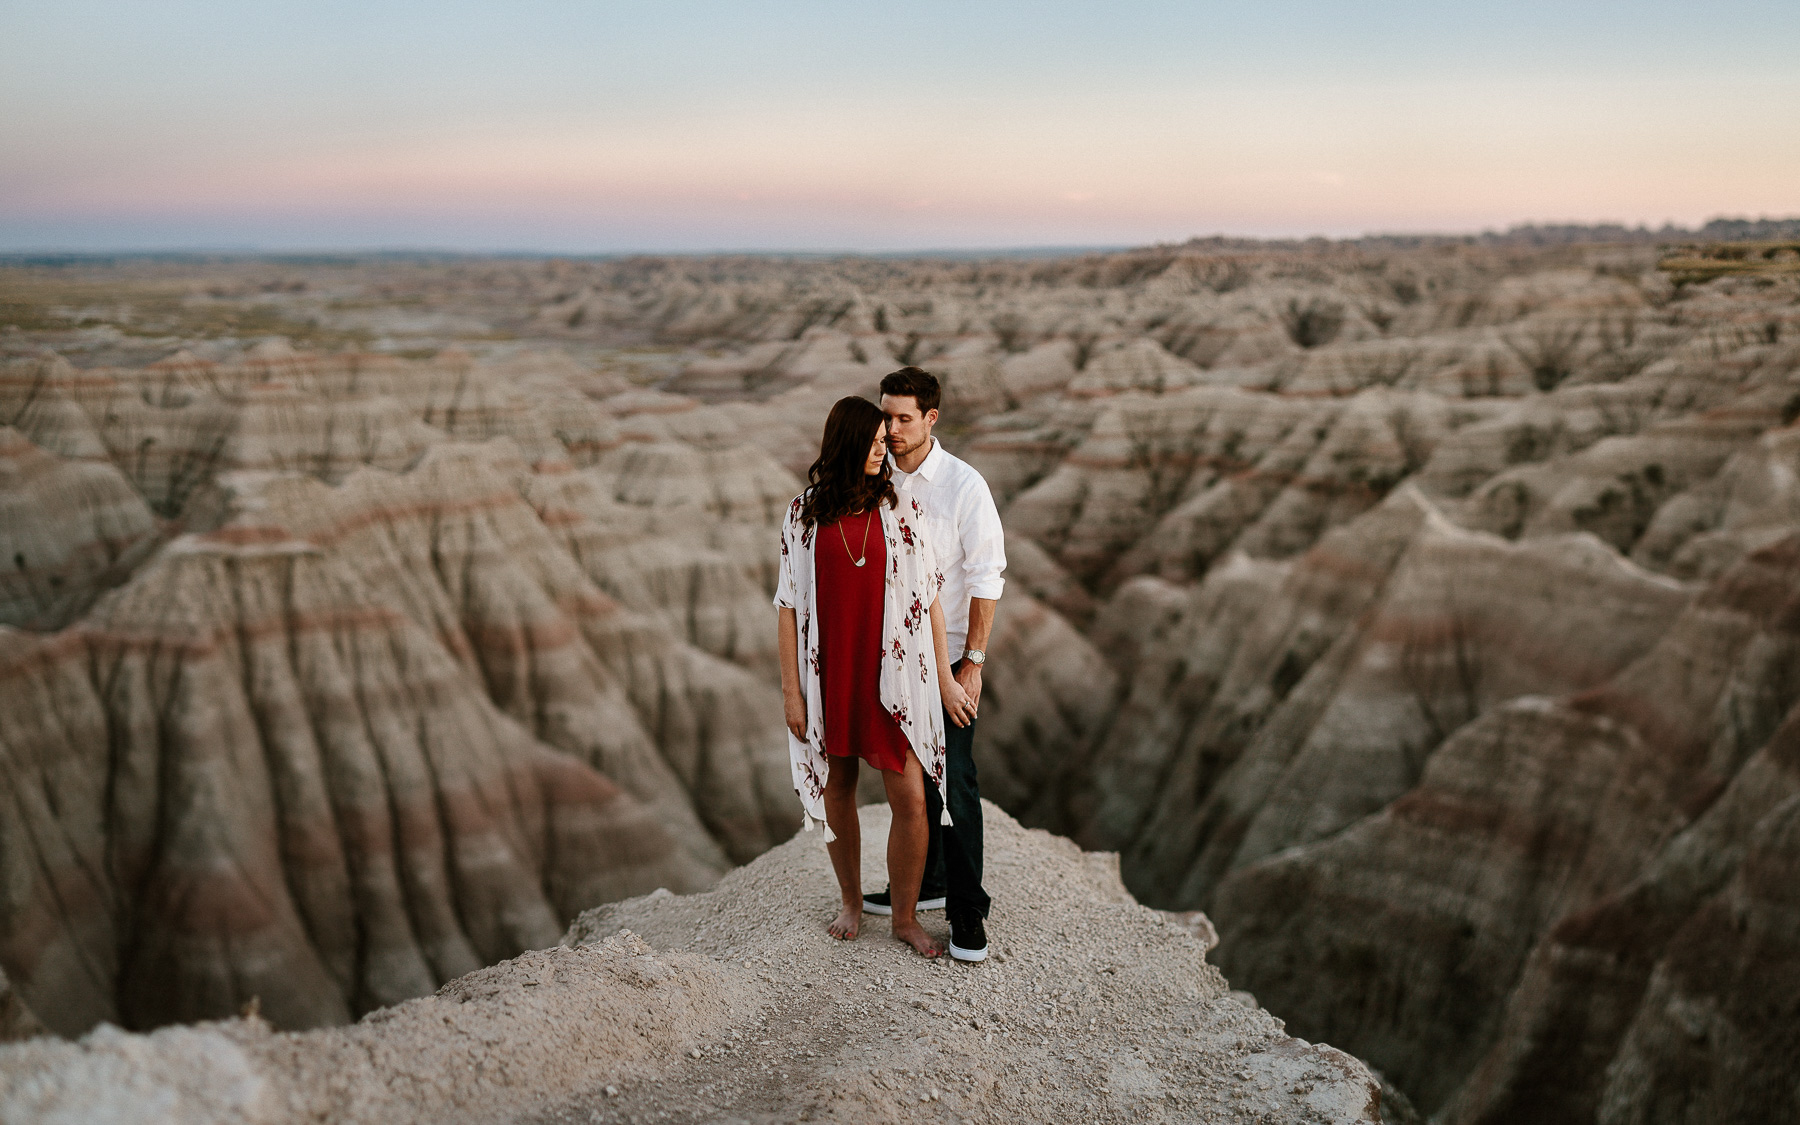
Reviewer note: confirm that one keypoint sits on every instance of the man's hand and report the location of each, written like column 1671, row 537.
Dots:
column 796, row 714
column 969, row 676
column 957, row 703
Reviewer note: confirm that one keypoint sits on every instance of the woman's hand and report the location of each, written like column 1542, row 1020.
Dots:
column 796, row 713
column 957, row 703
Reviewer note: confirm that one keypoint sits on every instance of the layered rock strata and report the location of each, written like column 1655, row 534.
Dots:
column 1398, row 606
column 355, row 717
column 245, row 777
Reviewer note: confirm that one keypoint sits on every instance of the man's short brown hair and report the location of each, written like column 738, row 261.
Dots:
column 921, row 384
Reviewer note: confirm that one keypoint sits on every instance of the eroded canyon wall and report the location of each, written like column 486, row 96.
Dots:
column 362, row 717
column 1426, row 616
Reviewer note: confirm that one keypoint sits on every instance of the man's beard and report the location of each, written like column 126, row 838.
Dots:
column 899, row 448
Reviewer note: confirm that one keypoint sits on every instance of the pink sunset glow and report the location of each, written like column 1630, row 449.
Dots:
column 667, row 152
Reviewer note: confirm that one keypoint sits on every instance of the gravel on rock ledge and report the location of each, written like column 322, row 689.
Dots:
column 733, row 1005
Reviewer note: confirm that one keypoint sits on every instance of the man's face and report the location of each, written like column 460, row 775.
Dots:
column 907, row 428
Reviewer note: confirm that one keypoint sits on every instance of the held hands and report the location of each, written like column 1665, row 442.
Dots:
column 957, row 703
column 969, row 676
column 795, row 707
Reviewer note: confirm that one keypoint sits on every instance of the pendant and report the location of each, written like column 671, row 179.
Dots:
column 860, row 561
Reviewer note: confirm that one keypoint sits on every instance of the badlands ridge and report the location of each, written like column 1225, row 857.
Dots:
column 734, row 1005
column 1430, row 618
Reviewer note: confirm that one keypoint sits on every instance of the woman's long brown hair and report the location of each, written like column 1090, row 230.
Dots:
column 839, row 486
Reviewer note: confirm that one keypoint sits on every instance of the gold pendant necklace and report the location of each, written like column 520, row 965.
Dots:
column 865, row 542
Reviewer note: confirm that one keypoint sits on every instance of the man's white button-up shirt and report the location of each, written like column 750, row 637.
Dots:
column 965, row 533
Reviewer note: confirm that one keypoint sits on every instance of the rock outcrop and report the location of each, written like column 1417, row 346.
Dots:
column 69, row 529
column 735, row 1003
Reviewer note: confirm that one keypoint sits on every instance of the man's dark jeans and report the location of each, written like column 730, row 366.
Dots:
column 953, row 865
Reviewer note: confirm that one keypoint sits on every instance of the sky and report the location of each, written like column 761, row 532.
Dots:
column 589, row 127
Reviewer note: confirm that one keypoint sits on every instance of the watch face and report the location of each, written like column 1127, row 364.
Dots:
column 976, row 657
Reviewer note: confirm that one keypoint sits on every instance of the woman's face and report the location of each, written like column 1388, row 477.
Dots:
column 877, row 453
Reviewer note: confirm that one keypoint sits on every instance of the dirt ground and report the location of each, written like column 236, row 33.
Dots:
column 734, row 1006
column 1090, row 1008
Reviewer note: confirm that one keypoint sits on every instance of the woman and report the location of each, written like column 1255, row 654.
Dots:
column 857, row 573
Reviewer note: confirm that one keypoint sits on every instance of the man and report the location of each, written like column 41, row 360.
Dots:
column 971, row 549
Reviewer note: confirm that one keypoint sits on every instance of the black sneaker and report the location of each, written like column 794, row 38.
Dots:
column 968, row 936
column 882, row 902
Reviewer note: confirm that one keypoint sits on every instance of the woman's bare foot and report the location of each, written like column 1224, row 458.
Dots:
column 914, row 935
column 846, row 925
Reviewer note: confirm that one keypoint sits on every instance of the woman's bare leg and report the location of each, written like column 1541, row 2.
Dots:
column 846, row 850
column 907, row 839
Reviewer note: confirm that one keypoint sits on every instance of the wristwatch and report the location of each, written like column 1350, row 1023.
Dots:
column 975, row 656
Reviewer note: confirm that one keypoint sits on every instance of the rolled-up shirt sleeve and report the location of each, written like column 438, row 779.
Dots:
column 983, row 543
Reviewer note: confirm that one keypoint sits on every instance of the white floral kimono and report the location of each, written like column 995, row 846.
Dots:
column 909, row 674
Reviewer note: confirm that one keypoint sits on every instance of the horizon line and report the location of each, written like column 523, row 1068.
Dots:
column 1569, row 232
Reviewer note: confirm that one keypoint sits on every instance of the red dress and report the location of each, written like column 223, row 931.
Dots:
column 851, row 600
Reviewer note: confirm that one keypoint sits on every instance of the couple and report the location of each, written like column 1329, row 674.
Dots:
column 891, row 563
